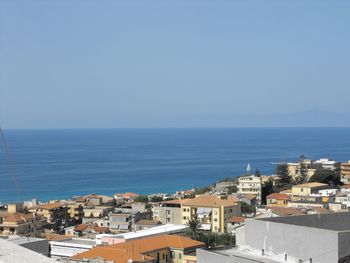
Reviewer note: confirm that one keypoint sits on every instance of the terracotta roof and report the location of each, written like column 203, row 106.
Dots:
column 286, row 211
column 278, row 196
column 50, row 206
column 18, row 218
column 136, row 249
column 313, row 184
column 236, row 219
column 345, row 186
column 100, row 229
column 209, row 201
column 80, row 227
column 56, row 237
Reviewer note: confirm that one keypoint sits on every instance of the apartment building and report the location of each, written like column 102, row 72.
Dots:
column 55, row 213
column 250, row 185
column 308, row 188
column 212, row 211
column 22, row 224
column 345, row 172
column 161, row 249
column 120, row 222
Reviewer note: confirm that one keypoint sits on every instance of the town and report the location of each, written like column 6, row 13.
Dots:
column 250, row 218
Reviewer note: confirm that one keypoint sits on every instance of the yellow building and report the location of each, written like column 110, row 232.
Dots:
column 162, row 249
column 294, row 169
column 345, row 172
column 276, row 199
column 212, row 211
column 307, row 188
column 55, row 213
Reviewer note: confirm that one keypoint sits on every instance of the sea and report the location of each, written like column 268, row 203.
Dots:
column 61, row 163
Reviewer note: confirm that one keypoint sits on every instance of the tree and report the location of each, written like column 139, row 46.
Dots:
column 325, row 176
column 192, row 228
column 302, row 178
column 257, row 173
column 302, row 158
column 232, row 189
column 247, row 209
column 141, row 199
column 266, row 189
column 282, row 171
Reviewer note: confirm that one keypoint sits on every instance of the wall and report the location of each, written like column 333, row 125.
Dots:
column 319, row 244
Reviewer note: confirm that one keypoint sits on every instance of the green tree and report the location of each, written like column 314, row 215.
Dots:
column 302, row 177
column 282, row 171
column 247, row 209
column 141, row 199
column 193, row 228
column 325, row 176
column 266, row 189
column 257, row 173
column 232, row 189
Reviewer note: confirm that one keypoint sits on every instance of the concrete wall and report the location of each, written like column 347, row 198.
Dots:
column 296, row 241
column 205, row 256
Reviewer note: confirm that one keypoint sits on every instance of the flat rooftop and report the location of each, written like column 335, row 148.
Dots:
column 77, row 241
column 333, row 221
column 25, row 240
column 245, row 253
column 14, row 253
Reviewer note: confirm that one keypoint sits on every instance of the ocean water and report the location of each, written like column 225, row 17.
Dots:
column 52, row 164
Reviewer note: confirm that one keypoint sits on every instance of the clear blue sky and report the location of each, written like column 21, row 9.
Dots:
column 171, row 63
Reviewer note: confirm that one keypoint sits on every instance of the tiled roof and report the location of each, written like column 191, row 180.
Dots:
column 236, row 219
column 18, row 218
column 81, row 227
column 100, row 229
column 278, row 196
column 51, row 206
column 209, row 201
column 286, row 211
column 249, row 196
column 345, row 186
column 136, row 249
column 321, row 210
column 127, row 195
column 313, row 184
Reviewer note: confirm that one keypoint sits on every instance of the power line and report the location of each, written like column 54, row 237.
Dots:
column 10, row 162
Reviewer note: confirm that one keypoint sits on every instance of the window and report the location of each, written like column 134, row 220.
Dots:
column 168, row 212
column 185, row 217
column 302, row 190
column 172, row 255
column 215, row 219
column 168, row 220
column 180, row 255
column 185, row 210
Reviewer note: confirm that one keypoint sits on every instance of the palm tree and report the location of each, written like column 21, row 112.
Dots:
column 192, row 228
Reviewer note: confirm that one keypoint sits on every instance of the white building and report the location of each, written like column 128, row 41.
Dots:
column 250, row 184
column 327, row 163
column 70, row 247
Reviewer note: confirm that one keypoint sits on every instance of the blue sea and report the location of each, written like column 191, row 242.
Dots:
column 53, row 164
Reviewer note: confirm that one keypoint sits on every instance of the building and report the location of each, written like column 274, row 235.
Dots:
column 13, row 222
column 128, row 196
column 250, row 184
column 308, row 188
column 222, row 187
column 55, row 213
column 146, row 224
column 327, row 164
column 276, row 199
column 168, row 212
column 307, row 166
column 165, row 248
column 318, row 238
column 63, row 249
column 120, row 222
column 110, row 239
column 345, row 172
column 233, row 223
column 212, row 211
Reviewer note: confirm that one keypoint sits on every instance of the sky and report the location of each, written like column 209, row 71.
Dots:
column 183, row 63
